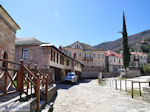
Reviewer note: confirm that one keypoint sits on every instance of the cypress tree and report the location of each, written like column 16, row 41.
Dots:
column 126, row 53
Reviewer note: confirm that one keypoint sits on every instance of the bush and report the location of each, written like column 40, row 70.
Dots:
column 146, row 69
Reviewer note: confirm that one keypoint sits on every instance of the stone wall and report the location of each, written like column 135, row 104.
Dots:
column 7, row 41
column 146, row 94
column 133, row 72
column 51, row 92
column 7, row 45
column 90, row 73
column 36, row 55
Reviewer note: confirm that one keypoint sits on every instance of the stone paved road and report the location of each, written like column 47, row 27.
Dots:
column 88, row 96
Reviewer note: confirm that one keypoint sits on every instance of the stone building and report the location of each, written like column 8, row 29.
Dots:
column 113, row 61
column 8, row 28
column 86, row 54
column 137, row 59
column 46, row 57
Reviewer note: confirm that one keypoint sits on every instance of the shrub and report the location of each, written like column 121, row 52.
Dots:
column 146, row 69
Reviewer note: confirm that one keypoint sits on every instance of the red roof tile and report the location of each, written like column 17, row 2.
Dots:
column 111, row 53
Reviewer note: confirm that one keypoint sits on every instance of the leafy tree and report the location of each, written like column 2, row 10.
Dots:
column 146, row 48
column 126, row 53
column 148, row 58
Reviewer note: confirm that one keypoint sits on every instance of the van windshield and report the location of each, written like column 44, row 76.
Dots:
column 70, row 74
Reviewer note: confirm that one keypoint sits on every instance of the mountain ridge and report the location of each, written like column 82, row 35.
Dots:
column 116, row 45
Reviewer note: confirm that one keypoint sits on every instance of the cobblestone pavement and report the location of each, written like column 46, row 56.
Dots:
column 88, row 96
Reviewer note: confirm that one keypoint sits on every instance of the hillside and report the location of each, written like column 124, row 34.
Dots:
column 117, row 44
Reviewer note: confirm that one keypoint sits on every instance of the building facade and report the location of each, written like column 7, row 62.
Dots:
column 88, row 55
column 113, row 61
column 8, row 28
column 137, row 59
column 46, row 57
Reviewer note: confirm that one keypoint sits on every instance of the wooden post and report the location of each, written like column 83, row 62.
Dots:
column 35, row 70
column 116, row 84
column 37, row 93
column 120, row 85
column 132, row 89
column 20, row 79
column 140, row 89
column 35, row 73
column 5, row 77
column 29, row 75
column 149, row 84
column 126, row 85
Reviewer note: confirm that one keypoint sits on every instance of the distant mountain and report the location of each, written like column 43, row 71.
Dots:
column 117, row 44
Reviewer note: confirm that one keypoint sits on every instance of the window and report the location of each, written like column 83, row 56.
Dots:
column 103, row 56
column 98, row 56
column 51, row 54
column 74, row 55
column 80, row 54
column 94, row 55
column 89, row 55
column 85, row 55
column 70, row 54
column 119, row 61
column 68, row 62
column 77, row 46
column 114, row 60
column 61, row 60
column 57, row 57
column 54, row 56
column 24, row 53
column 110, row 61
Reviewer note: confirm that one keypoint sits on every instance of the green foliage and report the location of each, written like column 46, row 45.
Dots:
column 146, row 69
column 148, row 58
column 136, row 93
column 126, row 53
column 145, row 48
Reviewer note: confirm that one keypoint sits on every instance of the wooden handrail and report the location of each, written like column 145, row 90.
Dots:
column 30, row 72
column 40, row 72
column 35, row 78
column 30, row 80
column 4, row 68
column 5, row 60
column 2, row 74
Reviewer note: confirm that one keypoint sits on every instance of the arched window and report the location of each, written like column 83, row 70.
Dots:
column 5, row 56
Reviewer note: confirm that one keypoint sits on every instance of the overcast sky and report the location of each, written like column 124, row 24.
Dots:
column 62, row 22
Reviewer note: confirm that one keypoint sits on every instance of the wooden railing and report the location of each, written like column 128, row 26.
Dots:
column 122, row 85
column 28, row 81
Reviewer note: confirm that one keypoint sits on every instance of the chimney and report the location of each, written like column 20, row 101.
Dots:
column 60, row 47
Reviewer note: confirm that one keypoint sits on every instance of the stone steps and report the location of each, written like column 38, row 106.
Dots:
column 12, row 102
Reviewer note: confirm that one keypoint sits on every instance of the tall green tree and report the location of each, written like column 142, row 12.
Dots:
column 126, row 53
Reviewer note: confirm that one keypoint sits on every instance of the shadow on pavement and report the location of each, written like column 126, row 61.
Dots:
column 67, row 85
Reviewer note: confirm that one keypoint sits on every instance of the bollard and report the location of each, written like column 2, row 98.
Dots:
column 140, row 89
column 126, row 85
column 132, row 89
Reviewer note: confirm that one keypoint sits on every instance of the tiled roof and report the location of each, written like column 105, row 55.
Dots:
column 27, row 42
column 111, row 53
column 137, row 53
